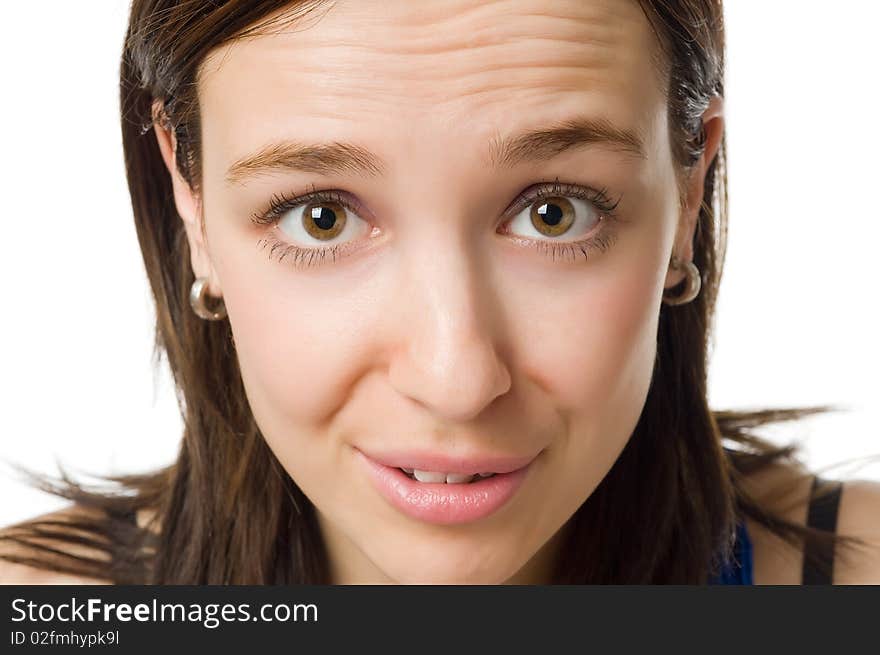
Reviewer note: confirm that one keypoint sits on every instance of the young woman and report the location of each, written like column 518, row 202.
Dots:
column 435, row 281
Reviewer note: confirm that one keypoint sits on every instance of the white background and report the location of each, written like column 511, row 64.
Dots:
column 797, row 320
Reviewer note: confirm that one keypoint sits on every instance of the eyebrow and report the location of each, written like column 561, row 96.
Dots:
column 322, row 158
column 548, row 142
column 540, row 144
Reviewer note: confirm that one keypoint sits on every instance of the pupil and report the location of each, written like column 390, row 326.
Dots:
column 551, row 214
column 323, row 217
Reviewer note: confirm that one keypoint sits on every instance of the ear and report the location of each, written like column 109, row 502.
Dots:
column 188, row 205
column 683, row 248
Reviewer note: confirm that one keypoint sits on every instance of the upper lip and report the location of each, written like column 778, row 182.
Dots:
column 442, row 463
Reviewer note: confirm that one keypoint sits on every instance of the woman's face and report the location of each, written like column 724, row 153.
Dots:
column 441, row 309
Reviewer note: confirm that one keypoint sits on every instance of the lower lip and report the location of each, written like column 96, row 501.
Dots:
column 442, row 503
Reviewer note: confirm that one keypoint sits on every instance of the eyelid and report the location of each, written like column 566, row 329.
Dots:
column 598, row 197
column 281, row 203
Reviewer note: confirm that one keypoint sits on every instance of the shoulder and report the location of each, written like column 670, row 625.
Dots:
column 785, row 490
column 859, row 516
column 12, row 573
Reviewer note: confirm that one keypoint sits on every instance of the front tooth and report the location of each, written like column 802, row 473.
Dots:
column 429, row 476
column 409, row 471
column 485, row 475
column 457, row 478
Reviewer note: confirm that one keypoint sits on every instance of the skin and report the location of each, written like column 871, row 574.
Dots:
column 445, row 334
column 438, row 338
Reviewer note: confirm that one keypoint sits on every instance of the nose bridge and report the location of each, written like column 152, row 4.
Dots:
column 447, row 356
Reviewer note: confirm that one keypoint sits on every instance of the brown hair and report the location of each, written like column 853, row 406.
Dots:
column 227, row 512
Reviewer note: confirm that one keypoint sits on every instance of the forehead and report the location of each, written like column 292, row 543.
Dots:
column 416, row 71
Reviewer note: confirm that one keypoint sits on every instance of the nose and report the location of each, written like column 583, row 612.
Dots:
column 447, row 353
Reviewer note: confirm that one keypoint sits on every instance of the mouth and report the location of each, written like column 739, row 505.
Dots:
column 444, row 478
column 448, row 498
column 430, row 465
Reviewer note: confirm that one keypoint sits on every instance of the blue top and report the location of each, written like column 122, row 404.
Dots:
column 738, row 571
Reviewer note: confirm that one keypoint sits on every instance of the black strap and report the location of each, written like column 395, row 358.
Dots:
column 822, row 514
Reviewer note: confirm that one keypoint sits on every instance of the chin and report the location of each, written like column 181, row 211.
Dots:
column 454, row 572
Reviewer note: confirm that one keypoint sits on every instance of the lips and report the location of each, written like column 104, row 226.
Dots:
column 444, row 503
column 464, row 465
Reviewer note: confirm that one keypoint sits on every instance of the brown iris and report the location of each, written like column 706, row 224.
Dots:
column 552, row 216
column 324, row 220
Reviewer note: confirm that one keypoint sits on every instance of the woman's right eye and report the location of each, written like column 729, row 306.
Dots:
column 320, row 222
column 300, row 225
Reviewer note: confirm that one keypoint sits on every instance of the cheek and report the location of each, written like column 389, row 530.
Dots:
column 601, row 355
column 293, row 335
column 597, row 368
column 599, row 362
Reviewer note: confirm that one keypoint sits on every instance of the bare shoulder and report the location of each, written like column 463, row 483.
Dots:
column 859, row 516
column 14, row 573
column 785, row 490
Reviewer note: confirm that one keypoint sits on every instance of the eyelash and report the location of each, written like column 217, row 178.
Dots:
column 303, row 257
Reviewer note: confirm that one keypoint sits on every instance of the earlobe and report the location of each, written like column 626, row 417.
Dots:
column 187, row 203
column 713, row 131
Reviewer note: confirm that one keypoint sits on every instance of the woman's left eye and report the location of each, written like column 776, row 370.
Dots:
column 544, row 212
column 555, row 210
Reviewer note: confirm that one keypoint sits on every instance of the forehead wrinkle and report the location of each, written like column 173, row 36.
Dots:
column 475, row 83
column 332, row 66
column 468, row 24
column 530, row 59
column 466, row 41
